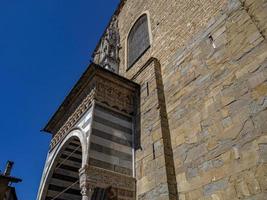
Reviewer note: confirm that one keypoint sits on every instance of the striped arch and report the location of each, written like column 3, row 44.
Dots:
column 62, row 168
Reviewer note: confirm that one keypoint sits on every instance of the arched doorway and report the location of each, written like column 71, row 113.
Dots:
column 63, row 181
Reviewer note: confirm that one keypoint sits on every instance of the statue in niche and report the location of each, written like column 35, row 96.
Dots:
column 107, row 53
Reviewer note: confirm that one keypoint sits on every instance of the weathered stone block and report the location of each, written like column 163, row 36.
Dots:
column 242, row 189
column 263, row 153
column 215, row 186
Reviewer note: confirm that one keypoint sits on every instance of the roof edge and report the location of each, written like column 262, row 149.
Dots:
column 74, row 93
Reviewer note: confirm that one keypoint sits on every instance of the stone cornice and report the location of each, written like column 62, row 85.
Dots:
column 96, row 84
column 98, row 177
column 72, row 120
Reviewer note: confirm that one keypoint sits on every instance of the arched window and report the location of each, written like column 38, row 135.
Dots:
column 138, row 40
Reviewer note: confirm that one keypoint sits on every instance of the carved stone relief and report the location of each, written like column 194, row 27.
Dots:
column 107, row 53
column 114, row 95
column 104, row 178
column 103, row 91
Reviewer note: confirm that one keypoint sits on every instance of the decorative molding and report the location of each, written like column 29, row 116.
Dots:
column 87, row 189
column 110, row 92
column 73, row 119
column 103, row 178
column 118, row 184
column 114, row 95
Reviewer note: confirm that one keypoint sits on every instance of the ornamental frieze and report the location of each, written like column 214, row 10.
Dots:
column 104, row 178
column 73, row 119
column 114, row 95
column 103, row 91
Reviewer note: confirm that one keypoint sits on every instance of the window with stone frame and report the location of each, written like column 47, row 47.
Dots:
column 138, row 40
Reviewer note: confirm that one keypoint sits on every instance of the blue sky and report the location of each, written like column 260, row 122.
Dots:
column 45, row 45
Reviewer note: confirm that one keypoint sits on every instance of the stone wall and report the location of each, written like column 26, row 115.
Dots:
column 208, row 117
column 173, row 24
column 217, row 110
column 154, row 159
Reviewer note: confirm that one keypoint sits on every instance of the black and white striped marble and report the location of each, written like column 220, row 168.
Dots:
column 111, row 141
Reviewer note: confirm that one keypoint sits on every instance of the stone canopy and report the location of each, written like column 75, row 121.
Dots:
column 94, row 78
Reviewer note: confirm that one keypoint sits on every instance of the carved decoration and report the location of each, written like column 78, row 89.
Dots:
column 87, row 189
column 94, row 177
column 107, row 53
column 104, row 91
column 114, row 95
column 73, row 119
column 103, row 178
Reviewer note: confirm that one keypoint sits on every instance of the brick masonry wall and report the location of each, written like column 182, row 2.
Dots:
column 213, row 60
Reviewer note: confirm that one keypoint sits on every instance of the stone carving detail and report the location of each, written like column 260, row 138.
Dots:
column 107, row 53
column 104, row 91
column 114, row 95
column 87, row 189
column 103, row 178
column 94, row 177
column 73, row 119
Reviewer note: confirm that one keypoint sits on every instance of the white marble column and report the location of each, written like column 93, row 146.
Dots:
column 86, row 192
column 87, row 189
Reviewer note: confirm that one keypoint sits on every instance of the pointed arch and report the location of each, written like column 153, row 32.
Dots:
column 139, row 39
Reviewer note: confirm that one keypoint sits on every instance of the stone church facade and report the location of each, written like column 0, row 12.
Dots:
column 173, row 106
